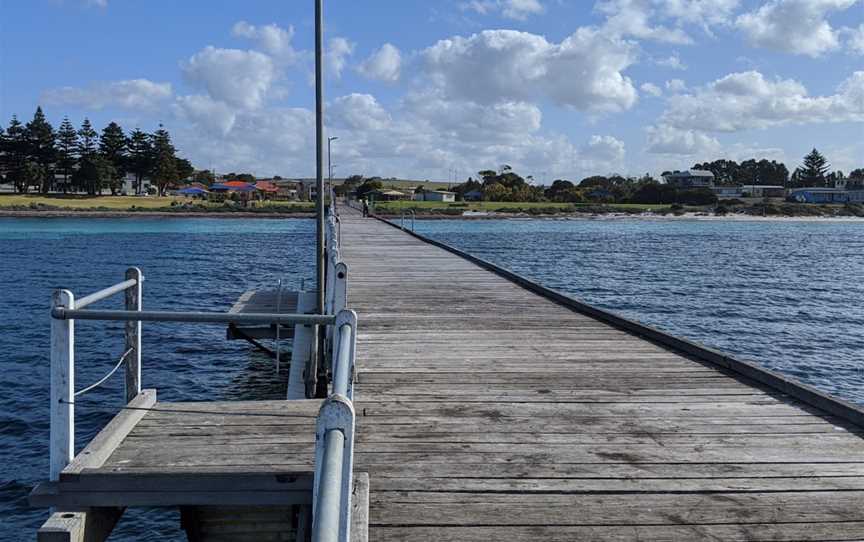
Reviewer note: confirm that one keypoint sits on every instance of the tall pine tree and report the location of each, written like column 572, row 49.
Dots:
column 112, row 147
column 814, row 168
column 140, row 157
column 67, row 151
column 40, row 147
column 15, row 155
column 164, row 160
column 86, row 177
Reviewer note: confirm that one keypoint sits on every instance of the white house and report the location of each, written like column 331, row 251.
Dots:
column 691, row 178
column 763, row 191
column 435, row 195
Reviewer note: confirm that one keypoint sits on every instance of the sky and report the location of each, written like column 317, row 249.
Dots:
column 440, row 90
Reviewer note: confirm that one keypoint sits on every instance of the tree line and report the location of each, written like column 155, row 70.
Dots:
column 814, row 171
column 34, row 157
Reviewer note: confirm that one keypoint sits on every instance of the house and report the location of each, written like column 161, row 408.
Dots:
column 267, row 189
column 691, row 178
column 820, row 195
column 435, row 195
column 727, row 191
column 763, row 191
column 127, row 188
column 473, row 195
column 386, row 194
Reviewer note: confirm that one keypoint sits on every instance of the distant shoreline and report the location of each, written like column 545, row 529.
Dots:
column 731, row 217
column 54, row 213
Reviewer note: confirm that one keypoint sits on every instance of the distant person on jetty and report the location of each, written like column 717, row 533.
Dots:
column 365, row 209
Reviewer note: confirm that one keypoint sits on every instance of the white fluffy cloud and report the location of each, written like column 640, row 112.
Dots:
column 746, row 100
column 602, row 154
column 676, row 86
column 673, row 62
column 668, row 140
column 384, row 64
column 138, row 94
column 272, row 39
column 237, row 78
column 794, row 26
column 664, row 20
column 337, row 53
column 511, row 9
column 856, row 39
column 651, row 89
column 583, row 71
column 358, row 112
column 206, row 112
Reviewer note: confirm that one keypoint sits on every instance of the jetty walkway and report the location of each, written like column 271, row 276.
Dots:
column 452, row 401
column 488, row 411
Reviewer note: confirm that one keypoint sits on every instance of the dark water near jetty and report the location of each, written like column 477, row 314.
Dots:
column 189, row 264
column 786, row 294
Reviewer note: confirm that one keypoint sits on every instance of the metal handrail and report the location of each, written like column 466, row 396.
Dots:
column 413, row 218
column 62, row 313
column 106, row 293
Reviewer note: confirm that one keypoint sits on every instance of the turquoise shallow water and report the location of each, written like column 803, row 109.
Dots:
column 189, row 264
column 786, row 294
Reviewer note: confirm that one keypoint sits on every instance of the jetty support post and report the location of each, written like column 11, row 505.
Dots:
column 62, row 432
column 134, row 299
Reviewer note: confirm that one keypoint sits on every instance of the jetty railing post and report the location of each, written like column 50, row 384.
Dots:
column 134, row 302
column 334, row 467
column 340, row 287
column 62, row 432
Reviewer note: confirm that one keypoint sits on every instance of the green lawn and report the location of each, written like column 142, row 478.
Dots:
column 504, row 206
column 119, row 203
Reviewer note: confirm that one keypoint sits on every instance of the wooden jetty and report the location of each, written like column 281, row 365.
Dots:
column 464, row 403
column 489, row 408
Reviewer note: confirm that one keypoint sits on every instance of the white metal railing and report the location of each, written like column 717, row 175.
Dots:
column 65, row 311
column 334, row 435
column 62, row 431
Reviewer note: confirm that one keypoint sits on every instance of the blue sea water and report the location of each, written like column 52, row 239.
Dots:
column 785, row 294
column 189, row 264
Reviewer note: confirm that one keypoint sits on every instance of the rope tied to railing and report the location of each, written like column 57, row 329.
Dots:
column 107, row 376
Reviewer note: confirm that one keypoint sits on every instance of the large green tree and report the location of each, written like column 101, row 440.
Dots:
column 140, row 157
column 112, row 147
column 94, row 173
column 41, row 147
column 67, row 150
column 15, row 155
column 815, row 168
column 164, row 170
column 185, row 170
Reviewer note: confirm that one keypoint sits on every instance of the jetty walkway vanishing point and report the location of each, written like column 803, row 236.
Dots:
column 482, row 406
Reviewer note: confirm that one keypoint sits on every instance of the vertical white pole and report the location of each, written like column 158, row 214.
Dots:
column 134, row 300
column 62, row 386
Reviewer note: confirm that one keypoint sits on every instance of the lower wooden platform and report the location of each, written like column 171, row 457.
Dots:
column 271, row 301
column 198, row 453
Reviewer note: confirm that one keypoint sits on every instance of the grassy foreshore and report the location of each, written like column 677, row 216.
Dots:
column 497, row 209
column 37, row 205
column 112, row 206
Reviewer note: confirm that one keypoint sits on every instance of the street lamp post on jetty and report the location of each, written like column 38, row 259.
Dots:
column 320, row 261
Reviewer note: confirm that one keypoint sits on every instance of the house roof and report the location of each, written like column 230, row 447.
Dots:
column 391, row 193
column 691, row 173
column 266, row 186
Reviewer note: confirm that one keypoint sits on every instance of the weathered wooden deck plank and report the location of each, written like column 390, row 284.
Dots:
column 489, row 412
